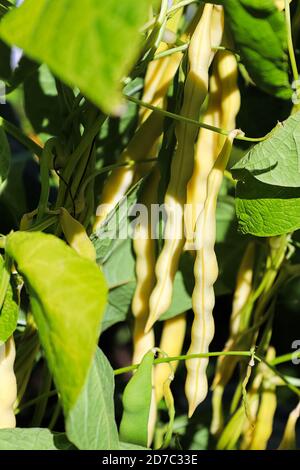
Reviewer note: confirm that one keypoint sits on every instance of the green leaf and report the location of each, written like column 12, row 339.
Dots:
column 41, row 102
column 33, row 439
column 9, row 313
column 136, row 403
column 275, row 161
column 269, row 186
column 118, row 306
column 5, row 155
column 89, row 44
column 259, row 33
column 91, row 422
column 68, row 295
column 265, row 210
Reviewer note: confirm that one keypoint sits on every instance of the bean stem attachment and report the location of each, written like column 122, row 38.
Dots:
column 187, row 120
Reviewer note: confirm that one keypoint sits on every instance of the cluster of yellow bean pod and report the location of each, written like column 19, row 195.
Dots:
column 160, row 74
column 158, row 78
column 226, row 364
column 207, row 35
column 8, row 384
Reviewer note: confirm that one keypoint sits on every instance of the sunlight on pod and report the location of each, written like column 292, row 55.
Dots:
column 288, row 441
column 206, row 273
column 200, row 55
column 171, row 344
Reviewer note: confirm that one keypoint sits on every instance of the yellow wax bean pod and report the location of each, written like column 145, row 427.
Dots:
column 226, row 364
column 206, row 150
column 206, row 273
column 227, row 72
column 288, row 441
column 223, row 107
column 171, row 343
column 160, row 72
column 8, row 384
column 200, row 55
column 145, row 252
column 259, row 422
column 76, row 235
column 169, row 400
column 121, row 179
column 281, row 4
column 142, row 146
column 264, row 422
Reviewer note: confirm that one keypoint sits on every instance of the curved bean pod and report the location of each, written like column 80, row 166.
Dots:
column 206, row 273
column 8, row 384
column 200, row 55
column 76, row 235
column 288, row 441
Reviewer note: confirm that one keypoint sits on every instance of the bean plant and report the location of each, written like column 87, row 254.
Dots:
column 149, row 229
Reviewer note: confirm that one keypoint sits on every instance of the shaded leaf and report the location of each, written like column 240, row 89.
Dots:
column 264, row 210
column 259, row 33
column 276, row 160
column 91, row 423
column 33, row 439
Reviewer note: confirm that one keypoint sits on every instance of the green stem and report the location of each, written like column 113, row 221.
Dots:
column 168, row 52
column 45, row 164
column 170, row 12
column 184, row 357
column 34, row 401
column 290, row 41
column 5, row 277
column 15, row 132
column 55, row 415
column 186, row 120
column 129, row 163
column 162, row 360
column 86, row 140
column 43, row 225
column 285, row 358
column 41, row 405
